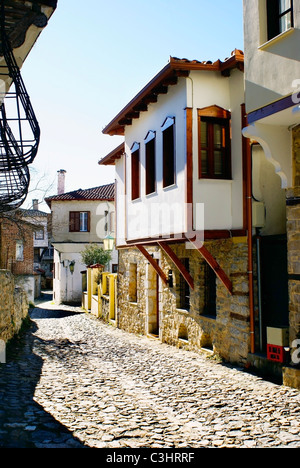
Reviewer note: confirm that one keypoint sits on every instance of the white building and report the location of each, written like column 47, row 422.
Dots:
column 79, row 218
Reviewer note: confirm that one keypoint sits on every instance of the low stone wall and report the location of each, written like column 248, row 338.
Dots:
column 13, row 306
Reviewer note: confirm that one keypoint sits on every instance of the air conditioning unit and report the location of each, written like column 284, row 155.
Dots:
column 258, row 214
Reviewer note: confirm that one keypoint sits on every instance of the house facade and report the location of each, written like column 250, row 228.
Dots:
column 272, row 83
column 182, row 211
column 79, row 218
column 17, row 233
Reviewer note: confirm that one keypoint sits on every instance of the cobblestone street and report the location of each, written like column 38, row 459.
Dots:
column 73, row 381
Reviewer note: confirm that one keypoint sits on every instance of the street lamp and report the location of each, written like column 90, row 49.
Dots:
column 108, row 242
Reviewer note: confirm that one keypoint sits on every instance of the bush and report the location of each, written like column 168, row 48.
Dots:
column 93, row 254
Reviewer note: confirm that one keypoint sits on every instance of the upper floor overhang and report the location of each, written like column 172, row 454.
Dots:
column 166, row 77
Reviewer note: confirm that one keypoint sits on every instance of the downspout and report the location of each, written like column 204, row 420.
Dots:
column 247, row 147
column 250, row 245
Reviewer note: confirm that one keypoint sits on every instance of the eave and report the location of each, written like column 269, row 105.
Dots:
column 168, row 76
column 110, row 158
column 20, row 15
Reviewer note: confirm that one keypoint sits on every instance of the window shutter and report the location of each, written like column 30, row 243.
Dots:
column 88, row 221
column 74, row 221
column 71, row 221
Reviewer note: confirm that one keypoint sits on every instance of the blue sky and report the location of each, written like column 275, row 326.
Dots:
column 94, row 57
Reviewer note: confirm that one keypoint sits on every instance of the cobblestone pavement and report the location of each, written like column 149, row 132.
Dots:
column 73, row 381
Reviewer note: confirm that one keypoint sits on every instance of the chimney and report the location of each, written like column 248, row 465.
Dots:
column 61, row 182
column 35, row 204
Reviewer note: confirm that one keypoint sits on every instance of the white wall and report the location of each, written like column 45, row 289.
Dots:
column 60, row 220
column 223, row 199
column 270, row 67
column 168, row 200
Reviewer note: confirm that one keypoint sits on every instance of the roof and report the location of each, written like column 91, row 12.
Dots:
column 166, row 77
column 109, row 159
column 104, row 192
column 21, row 14
column 33, row 213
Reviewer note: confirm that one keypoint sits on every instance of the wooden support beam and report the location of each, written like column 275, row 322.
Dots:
column 153, row 262
column 167, row 249
column 213, row 264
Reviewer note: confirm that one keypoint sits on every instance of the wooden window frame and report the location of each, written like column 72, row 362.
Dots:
column 274, row 16
column 75, row 221
column 135, row 171
column 150, row 162
column 215, row 115
column 169, row 152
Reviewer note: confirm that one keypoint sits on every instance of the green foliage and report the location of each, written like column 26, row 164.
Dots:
column 93, row 254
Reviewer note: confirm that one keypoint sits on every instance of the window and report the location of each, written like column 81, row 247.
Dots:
column 19, row 250
column 79, row 221
column 210, row 291
column 150, row 163
column 214, row 143
column 168, row 130
column 280, row 17
column 184, row 289
column 39, row 235
column 135, row 171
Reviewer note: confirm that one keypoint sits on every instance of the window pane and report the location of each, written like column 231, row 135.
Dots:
column 150, row 167
column 83, row 222
column 217, row 136
column 204, row 162
column 203, row 134
column 285, row 22
column 218, row 163
column 284, row 5
column 168, row 157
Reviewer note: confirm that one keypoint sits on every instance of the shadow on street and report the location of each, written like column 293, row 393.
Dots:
column 23, row 422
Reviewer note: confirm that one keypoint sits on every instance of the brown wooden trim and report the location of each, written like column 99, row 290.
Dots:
column 216, row 112
column 189, row 168
column 213, row 264
column 171, row 254
column 245, row 144
column 153, row 262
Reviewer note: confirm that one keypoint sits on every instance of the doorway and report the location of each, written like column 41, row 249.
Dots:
column 152, row 304
column 273, row 285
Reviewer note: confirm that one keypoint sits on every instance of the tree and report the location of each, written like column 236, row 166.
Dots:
column 93, row 254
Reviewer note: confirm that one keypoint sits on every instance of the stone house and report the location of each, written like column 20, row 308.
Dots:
column 272, row 84
column 17, row 233
column 78, row 218
column 182, row 211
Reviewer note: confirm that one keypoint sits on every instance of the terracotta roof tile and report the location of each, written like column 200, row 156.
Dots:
column 104, row 192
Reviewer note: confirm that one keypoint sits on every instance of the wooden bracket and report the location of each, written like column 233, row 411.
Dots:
column 153, row 262
column 167, row 249
column 213, row 264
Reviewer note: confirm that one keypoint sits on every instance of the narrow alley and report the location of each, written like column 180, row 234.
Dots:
column 72, row 381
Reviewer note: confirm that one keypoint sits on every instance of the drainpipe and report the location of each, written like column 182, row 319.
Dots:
column 248, row 193
column 250, row 245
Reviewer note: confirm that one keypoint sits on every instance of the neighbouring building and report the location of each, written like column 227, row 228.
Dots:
column 182, row 208
column 79, row 218
column 272, row 84
column 17, row 232
column 43, row 251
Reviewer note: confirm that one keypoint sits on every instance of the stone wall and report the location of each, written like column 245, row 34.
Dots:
column 227, row 333
column 13, row 306
column 293, row 233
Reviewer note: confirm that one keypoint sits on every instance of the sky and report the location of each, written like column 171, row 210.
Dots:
column 93, row 58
